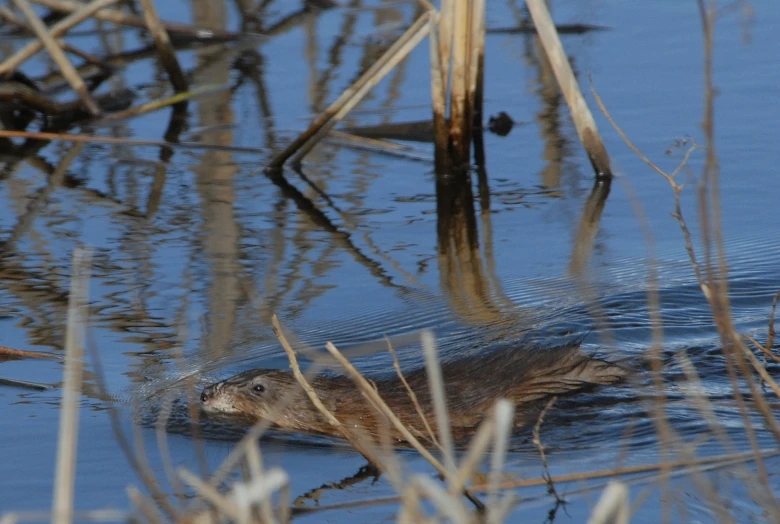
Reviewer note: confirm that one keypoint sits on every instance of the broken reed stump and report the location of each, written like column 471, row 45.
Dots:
column 583, row 119
column 457, row 55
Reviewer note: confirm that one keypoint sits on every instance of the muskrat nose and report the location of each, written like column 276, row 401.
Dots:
column 207, row 394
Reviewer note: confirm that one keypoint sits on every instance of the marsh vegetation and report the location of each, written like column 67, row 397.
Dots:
column 380, row 191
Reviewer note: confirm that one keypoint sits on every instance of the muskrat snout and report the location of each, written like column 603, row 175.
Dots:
column 248, row 394
column 217, row 399
column 207, row 394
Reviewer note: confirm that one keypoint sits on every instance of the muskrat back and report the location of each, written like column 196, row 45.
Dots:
column 529, row 378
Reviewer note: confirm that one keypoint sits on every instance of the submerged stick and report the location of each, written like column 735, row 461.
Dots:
column 158, row 104
column 583, row 119
column 67, row 442
column 24, row 384
column 5, row 133
column 19, row 353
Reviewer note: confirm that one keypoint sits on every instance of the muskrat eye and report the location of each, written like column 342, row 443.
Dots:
column 258, row 388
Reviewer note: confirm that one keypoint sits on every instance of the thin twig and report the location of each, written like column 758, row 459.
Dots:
column 537, row 440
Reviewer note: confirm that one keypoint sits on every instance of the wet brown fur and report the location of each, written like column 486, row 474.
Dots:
column 529, row 378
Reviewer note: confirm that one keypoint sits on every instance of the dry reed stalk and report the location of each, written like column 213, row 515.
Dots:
column 67, row 441
column 146, row 506
column 583, row 119
column 613, row 507
column 644, row 476
column 717, row 269
column 762, row 348
column 352, row 95
column 10, row 17
column 139, row 464
column 10, row 352
column 255, row 462
column 438, row 95
column 718, row 460
column 164, row 47
column 370, row 392
column 60, row 28
column 376, row 400
column 699, row 398
column 332, row 420
column 712, row 282
column 657, row 406
column 449, row 507
column 415, row 38
column 436, row 387
column 476, row 60
column 162, row 445
column 412, row 395
column 443, row 48
column 504, row 423
column 770, row 336
column 765, row 376
column 98, row 515
column 476, row 450
column 460, row 110
column 5, row 13
column 118, row 17
column 58, row 55
column 210, row 494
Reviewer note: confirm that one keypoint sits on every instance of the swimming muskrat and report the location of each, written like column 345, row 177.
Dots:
column 528, row 377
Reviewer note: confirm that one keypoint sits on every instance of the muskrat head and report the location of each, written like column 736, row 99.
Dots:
column 252, row 394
